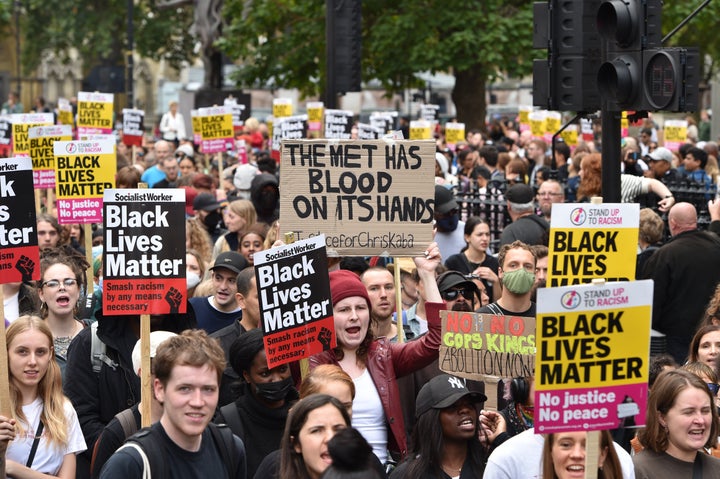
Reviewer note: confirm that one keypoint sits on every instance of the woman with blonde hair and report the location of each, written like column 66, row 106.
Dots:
column 197, row 238
column 43, row 426
column 238, row 216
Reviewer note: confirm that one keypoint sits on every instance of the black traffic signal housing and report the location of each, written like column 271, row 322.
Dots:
column 637, row 72
column 347, row 37
column 567, row 79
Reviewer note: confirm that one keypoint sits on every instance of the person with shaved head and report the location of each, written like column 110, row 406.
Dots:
column 685, row 270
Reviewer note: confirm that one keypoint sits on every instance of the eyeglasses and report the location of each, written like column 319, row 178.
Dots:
column 55, row 283
column 549, row 194
column 452, row 294
column 714, row 388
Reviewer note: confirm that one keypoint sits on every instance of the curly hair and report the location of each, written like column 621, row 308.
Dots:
column 713, row 308
column 199, row 239
column 591, row 182
column 49, row 389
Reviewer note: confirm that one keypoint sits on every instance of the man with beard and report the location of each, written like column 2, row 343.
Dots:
column 458, row 291
column 517, row 276
column 549, row 193
column 541, row 268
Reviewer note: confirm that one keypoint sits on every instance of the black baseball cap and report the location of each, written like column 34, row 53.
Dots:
column 451, row 279
column 444, row 200
column 205, row 202
column 231, row 260
column 443, row 391
column 520, row 194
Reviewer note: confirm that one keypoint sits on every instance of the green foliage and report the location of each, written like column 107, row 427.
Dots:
column 700, row 32
column 97, row 29
column 281, row 43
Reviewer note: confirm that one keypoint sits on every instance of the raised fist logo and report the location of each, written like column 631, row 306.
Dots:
column 26, row 266
column 174, row 297
column 325, row 338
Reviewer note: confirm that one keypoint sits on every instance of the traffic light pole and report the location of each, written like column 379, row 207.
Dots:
column 611, row 155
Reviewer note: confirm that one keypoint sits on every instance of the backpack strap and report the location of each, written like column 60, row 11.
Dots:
column 225, row 444
column 98, row 350
column 232, row 419
column 147, row 472
column 126, row 418
column 155, row 464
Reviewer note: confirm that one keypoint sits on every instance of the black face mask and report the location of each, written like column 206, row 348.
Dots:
column 274, row 391
column 212, row 220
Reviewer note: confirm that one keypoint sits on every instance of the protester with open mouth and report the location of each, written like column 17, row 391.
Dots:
column 312, row 422
column 59, row 292
column 681, row 423
column 445, row 439
column 564, row 456
column 375, row 364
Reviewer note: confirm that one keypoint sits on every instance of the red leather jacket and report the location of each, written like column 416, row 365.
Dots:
column 388, row 361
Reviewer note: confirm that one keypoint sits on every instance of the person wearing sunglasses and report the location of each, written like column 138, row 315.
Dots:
column 458, row 291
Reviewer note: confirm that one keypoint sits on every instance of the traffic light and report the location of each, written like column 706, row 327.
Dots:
column 347, row 37
column 637, row 72
column 567, row 79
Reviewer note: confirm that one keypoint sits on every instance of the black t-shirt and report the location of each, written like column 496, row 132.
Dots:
column 494, row 308
column 180, row 464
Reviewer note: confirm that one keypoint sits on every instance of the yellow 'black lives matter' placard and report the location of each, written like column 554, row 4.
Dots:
column 589, row 241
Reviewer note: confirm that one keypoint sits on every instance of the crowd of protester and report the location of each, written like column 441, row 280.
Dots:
column 377, row 405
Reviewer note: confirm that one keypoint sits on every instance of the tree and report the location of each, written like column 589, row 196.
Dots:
column 97, row 30
column 281, row 43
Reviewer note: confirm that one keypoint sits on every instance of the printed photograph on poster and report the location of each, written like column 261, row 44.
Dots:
column 475, row 345
column 19, row 254
column 591, row 368
column 144, row 251
column 295, row 305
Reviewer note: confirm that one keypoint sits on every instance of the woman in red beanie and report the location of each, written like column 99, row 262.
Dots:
column 375, row 364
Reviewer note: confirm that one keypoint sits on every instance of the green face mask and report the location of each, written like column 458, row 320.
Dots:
column 519, row 281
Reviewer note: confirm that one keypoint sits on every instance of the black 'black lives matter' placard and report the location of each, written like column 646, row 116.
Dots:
column 144, row 251
column 294, row 294
column 19, row 254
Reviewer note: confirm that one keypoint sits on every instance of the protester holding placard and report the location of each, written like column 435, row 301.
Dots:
column 375, row 365
column 59, row 289
column 47, row 432
column 564, row 456
column 516, row 273
column 681, row 421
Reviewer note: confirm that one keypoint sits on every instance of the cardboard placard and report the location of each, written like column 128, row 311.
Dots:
column 42, row 141
column 83, row 171
column 19, row 254
column 144, row 251
column 367, row 197
column 593, row 343
column 589, row 241
column 477, row 345
column 295, row 305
